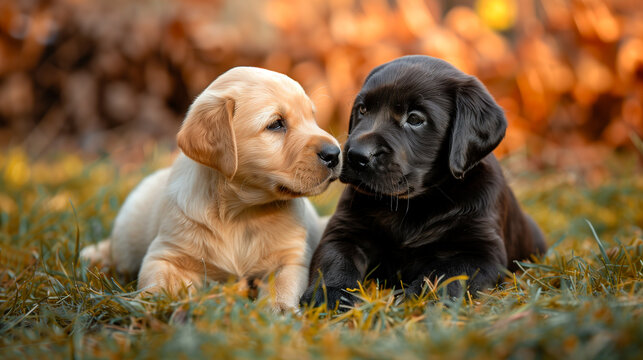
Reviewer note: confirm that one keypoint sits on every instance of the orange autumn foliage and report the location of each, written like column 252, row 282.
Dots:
column 91, row 74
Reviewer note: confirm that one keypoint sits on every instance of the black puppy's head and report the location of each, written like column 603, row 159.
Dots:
column 416, row 120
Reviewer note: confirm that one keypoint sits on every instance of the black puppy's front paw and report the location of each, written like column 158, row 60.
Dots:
column 334, row 297
column 417, row 288
column 413, row 290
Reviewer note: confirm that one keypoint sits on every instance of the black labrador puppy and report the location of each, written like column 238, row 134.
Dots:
column 426, row 198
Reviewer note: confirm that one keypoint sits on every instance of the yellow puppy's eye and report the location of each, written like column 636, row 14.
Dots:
column 362, row 109
column 277, row 125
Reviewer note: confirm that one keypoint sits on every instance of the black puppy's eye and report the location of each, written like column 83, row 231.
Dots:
column 414, row 120
column 362, row 109
column 277, row 125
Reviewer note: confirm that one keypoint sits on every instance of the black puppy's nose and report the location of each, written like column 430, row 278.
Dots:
column 359, row 156
column 329, row 155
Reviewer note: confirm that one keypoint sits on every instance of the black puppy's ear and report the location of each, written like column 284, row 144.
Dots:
column 479, row 125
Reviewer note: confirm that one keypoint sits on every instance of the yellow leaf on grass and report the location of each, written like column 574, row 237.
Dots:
column 17, row 172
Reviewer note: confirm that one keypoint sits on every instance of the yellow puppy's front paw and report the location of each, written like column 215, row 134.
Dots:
column 282, row 308
column 97, row 254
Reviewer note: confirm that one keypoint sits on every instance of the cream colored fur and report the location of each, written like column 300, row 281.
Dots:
column 231, row 205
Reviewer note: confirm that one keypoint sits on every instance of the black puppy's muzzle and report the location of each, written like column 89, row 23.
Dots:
column 370, row 165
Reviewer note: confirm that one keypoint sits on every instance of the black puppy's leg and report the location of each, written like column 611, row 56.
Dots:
column 336, row 265
column 537, row 237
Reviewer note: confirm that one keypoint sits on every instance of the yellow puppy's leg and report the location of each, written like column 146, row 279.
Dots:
column 290, row 282
column 158, row 274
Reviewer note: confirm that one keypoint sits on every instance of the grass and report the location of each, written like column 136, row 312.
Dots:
column 584, row 299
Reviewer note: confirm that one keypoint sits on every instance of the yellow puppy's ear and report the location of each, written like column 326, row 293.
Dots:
column 207, row 136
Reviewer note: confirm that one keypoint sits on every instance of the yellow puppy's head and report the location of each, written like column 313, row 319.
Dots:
column 257, row 128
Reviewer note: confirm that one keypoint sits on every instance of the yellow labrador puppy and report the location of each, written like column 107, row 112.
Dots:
column 231, row 205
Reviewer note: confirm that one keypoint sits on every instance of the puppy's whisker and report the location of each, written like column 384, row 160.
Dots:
column 397, row 202
column 408, row 191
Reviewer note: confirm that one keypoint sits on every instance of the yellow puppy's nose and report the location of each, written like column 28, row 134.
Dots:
column 329, row 155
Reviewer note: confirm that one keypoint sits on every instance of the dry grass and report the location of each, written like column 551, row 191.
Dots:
column 584, row 299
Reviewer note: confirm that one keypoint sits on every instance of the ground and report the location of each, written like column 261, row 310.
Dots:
column 583, row 299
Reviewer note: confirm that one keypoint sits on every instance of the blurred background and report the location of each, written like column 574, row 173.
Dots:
column 117, row 76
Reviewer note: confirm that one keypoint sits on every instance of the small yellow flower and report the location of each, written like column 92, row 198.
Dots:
column 497, row 14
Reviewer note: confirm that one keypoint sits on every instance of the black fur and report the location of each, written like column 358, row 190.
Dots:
column 426, row 196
